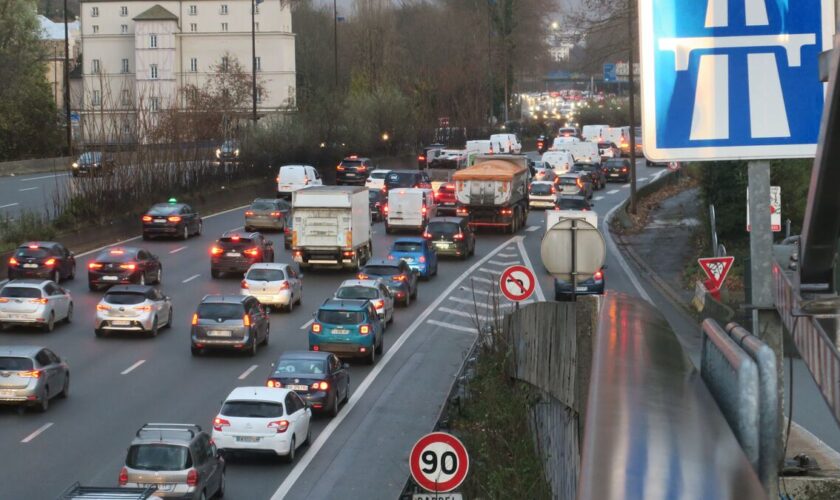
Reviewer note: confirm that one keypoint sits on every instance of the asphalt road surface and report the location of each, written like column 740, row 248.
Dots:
column 118, row 384
column 30, row 193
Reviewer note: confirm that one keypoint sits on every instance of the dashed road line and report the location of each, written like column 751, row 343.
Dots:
column 248, row 372
column 27, row 189
column 505, row 263
column 37, row 432
column 9, row 205
column 191, row 278
column 598, row 198
column 626, row 186
column 482, row 280
column 452, row 326
column 641, row 179
column 484, row 305
column 612, row 191
column 132, row 367
column 463, row 313
column 178, row 249
column 531, row 229
column 307, row 324
column 507, row 254
column 42, row 177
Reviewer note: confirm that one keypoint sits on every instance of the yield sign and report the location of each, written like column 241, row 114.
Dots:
column 716, row 268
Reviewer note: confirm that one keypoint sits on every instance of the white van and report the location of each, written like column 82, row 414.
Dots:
column 586, row 152
column 560, row 140
column 410, row 208
column 560, row 161
column 620, row 136
column 291, row 178
column 509, row 143
column 482, row 147
column 594, row 132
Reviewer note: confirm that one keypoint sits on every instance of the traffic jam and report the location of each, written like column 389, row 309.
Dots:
column 434, row 213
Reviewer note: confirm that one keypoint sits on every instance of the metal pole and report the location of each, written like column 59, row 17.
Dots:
column 766, row 323
column 254, row 59
column 335, row 41
column 631, row 78
column 574, row 260
column 68, row 125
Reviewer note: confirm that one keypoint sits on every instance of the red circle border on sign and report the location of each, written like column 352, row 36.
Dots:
column 507, row 272
column 460, row 451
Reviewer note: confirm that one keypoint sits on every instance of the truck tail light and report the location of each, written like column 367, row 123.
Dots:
column 220, row 423
column 424, row 210
column 599, row 275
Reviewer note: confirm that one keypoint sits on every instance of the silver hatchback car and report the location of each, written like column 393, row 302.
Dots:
column 376, row 291
column 33, row 302
column 273, row 284
column 31, row 376
column 133, row 308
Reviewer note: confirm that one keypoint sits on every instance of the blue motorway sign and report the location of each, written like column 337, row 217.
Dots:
column 609, row 73
column 732, row 79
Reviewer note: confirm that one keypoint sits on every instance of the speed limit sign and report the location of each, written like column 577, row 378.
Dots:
column 439, row 462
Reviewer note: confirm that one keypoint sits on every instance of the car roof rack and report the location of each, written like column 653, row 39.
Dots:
column 158, row 429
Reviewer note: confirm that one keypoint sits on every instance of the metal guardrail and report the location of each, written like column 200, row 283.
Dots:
column 732, row 377
column 653, row 429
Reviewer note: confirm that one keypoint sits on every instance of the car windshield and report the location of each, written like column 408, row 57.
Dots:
column 20, row 292
column 332, row 317
column 90, row 157
column 164, row 209
column 263, row 205
column 265, row 275
column 572, row 204
column 540, row 189
column 32, row 253
column 378, row 175
column 229, row 146
column 357, row 292
column 8, row 363
column 351, row 163
column 115, row 256
column 400, row 179
column 408, row 246
column 211, row 310
column 163, row 457
column 252, row 409
column 381, row 270
column 447, row 228
column 124, row 298
column 288, row 366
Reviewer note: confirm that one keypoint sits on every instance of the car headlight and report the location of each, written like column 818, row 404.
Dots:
column 218, row 153
column 236, row 153
column 75, row 165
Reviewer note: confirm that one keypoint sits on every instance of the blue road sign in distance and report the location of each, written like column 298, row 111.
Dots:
column 732, row 79
column 609, row 72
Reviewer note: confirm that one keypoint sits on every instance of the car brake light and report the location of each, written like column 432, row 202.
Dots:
column 147, row 218
column 362, row 276
column 30, row 374
column 117, row 252
column 130, row 267
column 173, row 218
column 249, row 213
column 316, row 328
column 274, row 383
column 195, row 319
column 285, row 285
column 624, row 169
column 279, row 425
column 276, row 214
column 94, row 265
column 216, row 251
column 553, row 191
column 143, row 308
column 459, row 236
column 422, row 259
column 399, row 277
column 378, row 303
column 220, row 423
column 192, row 477
column 287, row 230
column 579, row 183
column 423, row 210
column 385, row 208
column 427, row 235
column 103, row 307
column 320, row 386
column 3, row 300
column 39, row 301
column 253, row 252
column 390, row 257
column 599, row 275
column 246, row 320
column 462, row 211
column 244, row 284
column 13, row 261
column 421, row 158
column 123, row 479
column 234, row 237
column 364, row 329
column 50, row 262
column 361, row 168
column 340, row 168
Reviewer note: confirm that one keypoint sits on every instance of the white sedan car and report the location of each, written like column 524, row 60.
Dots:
column 262, row 419
column 376, row 291
column 34, row 302
column 273, row 284
column 376, row 179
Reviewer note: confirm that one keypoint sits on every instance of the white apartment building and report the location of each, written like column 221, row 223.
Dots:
column 138, row 55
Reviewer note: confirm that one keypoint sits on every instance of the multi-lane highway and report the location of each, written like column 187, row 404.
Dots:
column 31, row 193
column 120, row 383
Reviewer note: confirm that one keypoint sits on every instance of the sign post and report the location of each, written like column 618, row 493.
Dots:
column 439, row 462
column 573, row 250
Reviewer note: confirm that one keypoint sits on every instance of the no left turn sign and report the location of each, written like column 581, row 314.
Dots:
column 517, row 283
column 439, row 462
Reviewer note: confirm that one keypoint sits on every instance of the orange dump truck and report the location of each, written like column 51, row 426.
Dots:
column 494, row 192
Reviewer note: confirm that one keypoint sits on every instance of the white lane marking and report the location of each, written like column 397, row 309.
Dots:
column 658, row 174
column 483, row 280
column 9, row 205
column 248, row 372
column 612, row 248
column 491, row 271
column 43, row 177
column 452, row 326
column 357, row 396
column 177, row 250
column 236, row 228
column 531, row 229
column 507, row 254
column 538, row 288
column 612, row 191
column 37, row 432
column 477, row 303
column 132, row 367
column 109, row 245
column 463, row 314
column 503, row 263
column 27, row 189
column 307, row 324
column 598, row 198
column 641, row 179
column 191, row 278
column 626, row 186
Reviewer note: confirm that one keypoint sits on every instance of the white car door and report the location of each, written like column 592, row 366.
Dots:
column 60, row 300
column 299, row 416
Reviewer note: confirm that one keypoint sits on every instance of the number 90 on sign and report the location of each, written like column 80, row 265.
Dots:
column 439, row 462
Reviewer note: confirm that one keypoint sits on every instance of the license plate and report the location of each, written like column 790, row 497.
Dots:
column 158, row 486
column 581, row 289
column 219, row 333
column 248, row 439
column 340, row 331
column 120, row 322
column 233, row 254
column 160, row 221
column 351, row 175
column 442, row 245
column 30, row 266
column 7, row 394
column 110, row 278
column 298, row 387
column 613, row 175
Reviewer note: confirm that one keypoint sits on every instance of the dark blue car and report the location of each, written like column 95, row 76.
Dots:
column 347, row 327
column 418, row 253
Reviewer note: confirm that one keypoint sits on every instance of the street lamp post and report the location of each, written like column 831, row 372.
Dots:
column 631, row 80
column 67, row 84
column 254, row 4
column 335, row 41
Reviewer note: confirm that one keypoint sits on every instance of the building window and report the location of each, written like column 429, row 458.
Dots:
column 193, row 27
column 94, row 12
column 123, row 28
column 258, row 63
column 153, row 41
column 194, row 64
column 96, row 28
column 125, row 97
column 154, row 103
column 224, row 10
column 125, row 65
column 94, row 66
column 224, row 63
column 123, row 11
column 96, row 98
column 224, row 27
column 153, row 71
column 193, row 10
